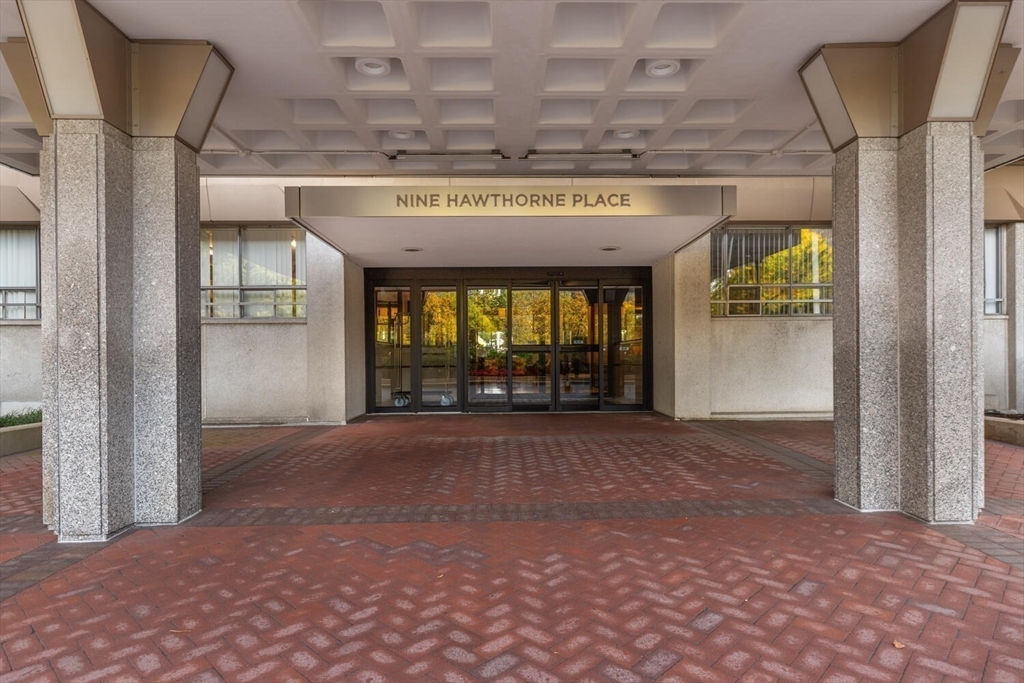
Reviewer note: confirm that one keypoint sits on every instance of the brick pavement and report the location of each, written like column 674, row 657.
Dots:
column 556, row 547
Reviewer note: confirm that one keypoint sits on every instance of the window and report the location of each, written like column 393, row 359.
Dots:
column 19, row 273
column 253, row 272
column 771, row 271
column 994, row 270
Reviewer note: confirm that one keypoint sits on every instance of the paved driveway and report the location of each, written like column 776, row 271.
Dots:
column 585, row 547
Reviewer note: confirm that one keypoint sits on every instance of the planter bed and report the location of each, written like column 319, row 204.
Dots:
column 21, row 438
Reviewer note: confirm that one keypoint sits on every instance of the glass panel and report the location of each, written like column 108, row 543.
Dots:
column 622, row 352
column 258, row 303
column 578, row 358
column 487, row 363
column 993, row 272
column 19, row 255
column 274, row 256
column 531, row 317
column 812, row 256
column 531, row 379
column 219, row 303
column 440, row 322
column 291, row 303
column 218, row 257
column 392, row 341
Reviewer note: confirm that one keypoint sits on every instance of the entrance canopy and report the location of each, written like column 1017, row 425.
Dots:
column 509, row 226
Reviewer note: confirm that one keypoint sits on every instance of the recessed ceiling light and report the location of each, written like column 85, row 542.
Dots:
column 374, row 66
column 401, row 134
column 660, row 68
column 412, row 250
column 610, row 248
column 626, row 134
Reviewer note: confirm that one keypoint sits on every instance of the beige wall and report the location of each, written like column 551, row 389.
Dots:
column 21, row 371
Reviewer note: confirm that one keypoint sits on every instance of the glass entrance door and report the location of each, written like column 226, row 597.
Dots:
column 508, row 340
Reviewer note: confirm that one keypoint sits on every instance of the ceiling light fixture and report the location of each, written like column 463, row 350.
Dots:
column 401, row 134
column 412, row 250
column 661, row 68
column 626, row 134
column 610, row 248
column 373, row 66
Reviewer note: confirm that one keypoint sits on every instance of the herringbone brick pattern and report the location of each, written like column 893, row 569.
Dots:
column 636, row 549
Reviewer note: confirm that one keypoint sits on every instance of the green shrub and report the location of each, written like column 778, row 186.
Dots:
column 21, row 417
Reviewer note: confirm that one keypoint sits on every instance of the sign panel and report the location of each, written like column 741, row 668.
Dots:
column 522, row 200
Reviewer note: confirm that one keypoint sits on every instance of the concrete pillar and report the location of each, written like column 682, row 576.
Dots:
column 941, row 270
column 325, row 331
column 168, row 387
column 908, row 226
column 120, row 239
column 355, row 341
column 1014, row 306
column 89, row 481
column 866, row 325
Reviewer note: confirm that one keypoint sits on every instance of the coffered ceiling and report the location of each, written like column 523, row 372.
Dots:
column 533, row 87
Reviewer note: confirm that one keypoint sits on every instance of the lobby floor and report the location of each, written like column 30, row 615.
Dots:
column 534, row 548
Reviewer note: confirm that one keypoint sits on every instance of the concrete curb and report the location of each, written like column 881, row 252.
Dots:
column 1005, row 430
column 21, row 438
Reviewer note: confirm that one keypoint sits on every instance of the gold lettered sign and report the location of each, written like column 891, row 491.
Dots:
column 433, row 200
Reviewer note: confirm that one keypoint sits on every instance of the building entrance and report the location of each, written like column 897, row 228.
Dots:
column 486, row 340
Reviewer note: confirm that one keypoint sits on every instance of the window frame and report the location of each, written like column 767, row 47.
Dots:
column 999, row 270
column 240, row 304
column 38, row 305
column 725, row 303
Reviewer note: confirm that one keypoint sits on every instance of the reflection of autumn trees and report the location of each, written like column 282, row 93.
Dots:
column 440, row 318
column 574, row 316
column 806, row 261
column 531, row 316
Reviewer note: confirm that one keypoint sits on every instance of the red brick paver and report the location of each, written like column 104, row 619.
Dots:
column 747, row 586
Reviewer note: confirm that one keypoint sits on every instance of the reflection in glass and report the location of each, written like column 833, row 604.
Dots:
column 439, row 316
column 487, row 362
column 531, row 317
column 578, row 358
column 531, row 378
column 622, row 353
column 392, row 341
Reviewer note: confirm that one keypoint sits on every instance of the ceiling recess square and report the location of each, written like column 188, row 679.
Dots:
column 466, row 112
column 1008, row 113
column 265, row 139
column 395, row 81
column 415, row 165
column 611, row 165
column 693, row 138
column 469, row 74
column 418, row 143
column 671, row 162
column 453, row 24
column 639, row 81
column 559, row 140
column 641, row 111
column 316, row 112
column 398, row 112
column 692, row 25
column 811, row 140
column 553, row 165
column 760, row 139
column 609, row 141
column 590, row 24
column 12, row 111
column 353, row 162
column 717, row 111
column 291, row 162
column 230, row 162
column 793, row 162
column 731, row 162
column 352, row 24
column 335, row 140
column 474, row 166
column 567, row 111
column 463, row 140
column 577, row 75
